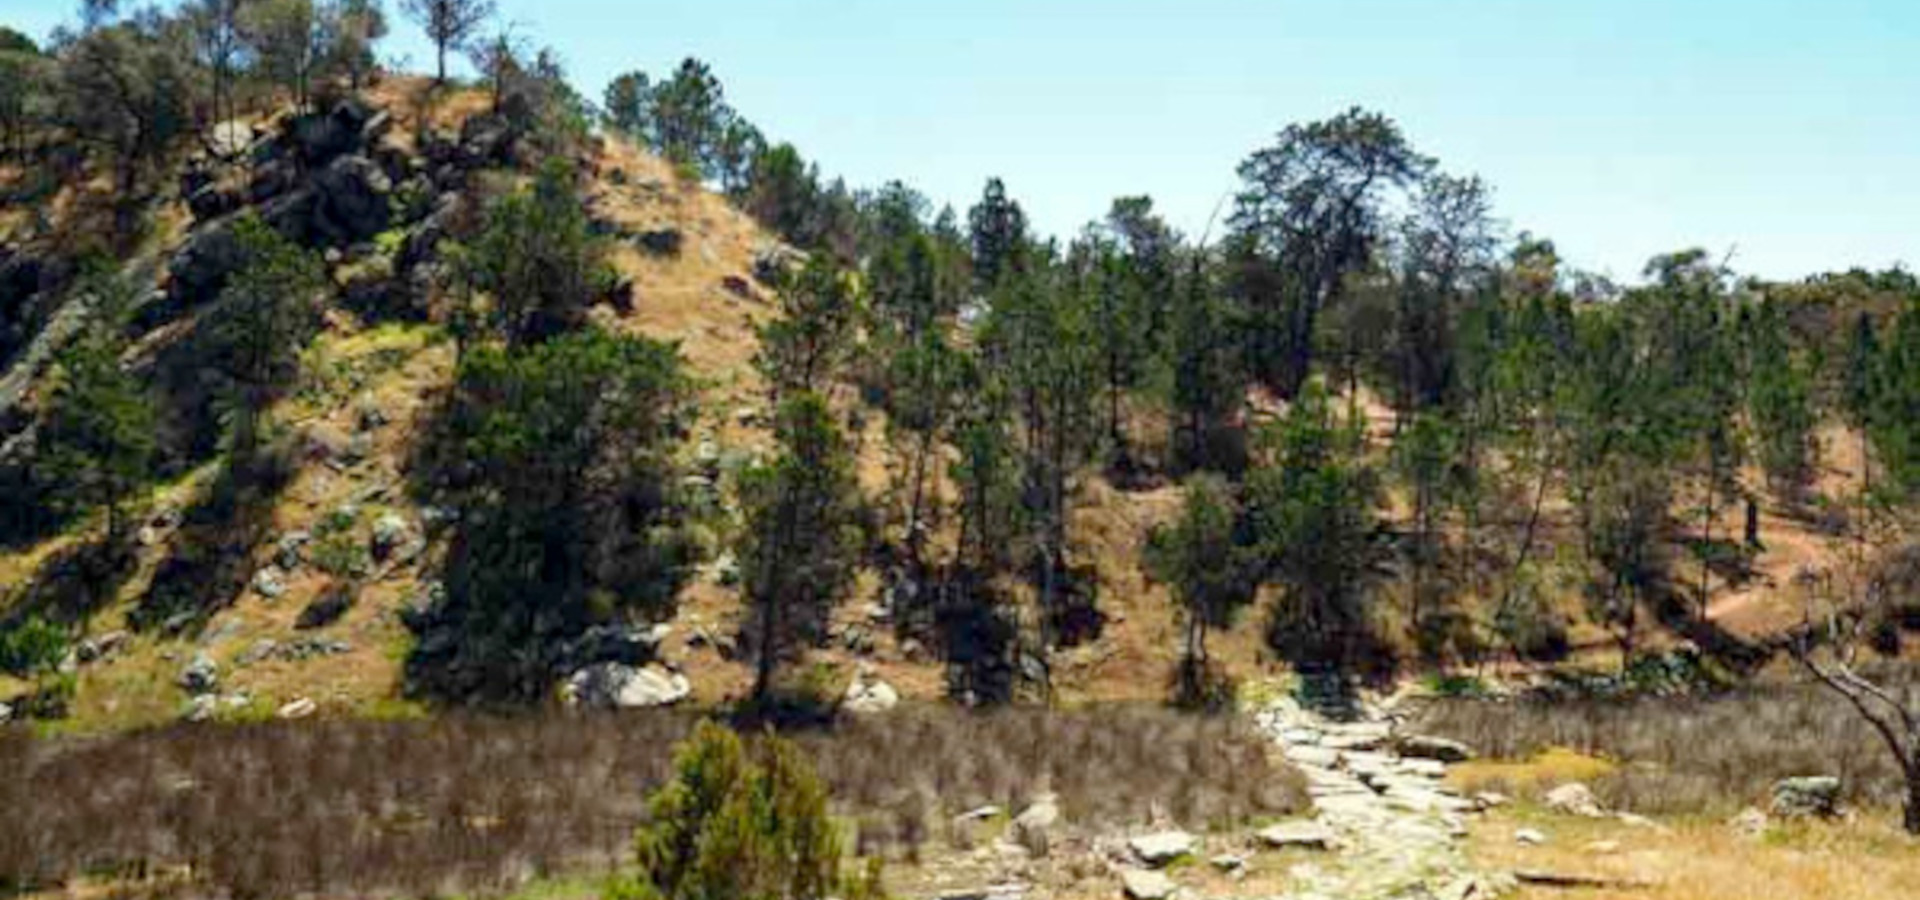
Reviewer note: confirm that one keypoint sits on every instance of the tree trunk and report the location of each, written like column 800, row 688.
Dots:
column 1911, row 821
column 441, row 76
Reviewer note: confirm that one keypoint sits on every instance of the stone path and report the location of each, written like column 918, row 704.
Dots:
column 1397, row 827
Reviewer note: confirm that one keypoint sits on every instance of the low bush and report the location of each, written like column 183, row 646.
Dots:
column 1693, row 754
column 476, row 804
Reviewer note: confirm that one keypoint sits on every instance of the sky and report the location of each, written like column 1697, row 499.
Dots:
column 1785, row 135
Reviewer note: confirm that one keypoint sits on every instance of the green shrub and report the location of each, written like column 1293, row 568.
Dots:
column 32, row 647
column 740, row 824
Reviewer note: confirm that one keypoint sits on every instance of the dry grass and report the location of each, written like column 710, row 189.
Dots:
column 1704, row 859
column 360, row 807
column 1689, row 756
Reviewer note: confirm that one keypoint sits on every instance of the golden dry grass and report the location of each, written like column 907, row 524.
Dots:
column 1698, row 859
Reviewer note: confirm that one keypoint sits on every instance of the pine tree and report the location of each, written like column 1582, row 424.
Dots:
column 1311, row 499
column 802, row 533
column 96, row 443
column 1199, row 556
column 802, row 350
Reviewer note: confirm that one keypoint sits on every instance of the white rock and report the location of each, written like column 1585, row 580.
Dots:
column 298, row 709
column 1033, row 828
column 1603, row 848
column 1529, row 837
column 1303, row 835
column 1142, row 884
column 1161, row 848
column 870, row 695
column 1575, row 799
column 618, row 686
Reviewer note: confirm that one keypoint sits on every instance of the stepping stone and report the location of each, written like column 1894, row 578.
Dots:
column 1303, row 835
column 1141, row 884
column 1320, row 757
column 1159, row 849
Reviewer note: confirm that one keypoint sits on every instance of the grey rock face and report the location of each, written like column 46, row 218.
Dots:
column 617, row 686
column 201, row 676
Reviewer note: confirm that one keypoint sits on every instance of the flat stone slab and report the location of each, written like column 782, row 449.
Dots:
column 1300, row 835
column 1144, row 884
column 1164, row 847
column 1321, row 757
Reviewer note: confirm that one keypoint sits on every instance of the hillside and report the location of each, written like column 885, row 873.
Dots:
column 370, row 383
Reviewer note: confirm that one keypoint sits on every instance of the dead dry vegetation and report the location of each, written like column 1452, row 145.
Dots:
column 1685, row 755
column 479, row 804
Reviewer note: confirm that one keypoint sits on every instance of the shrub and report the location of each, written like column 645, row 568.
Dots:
column 729, row 825
column 32, row 647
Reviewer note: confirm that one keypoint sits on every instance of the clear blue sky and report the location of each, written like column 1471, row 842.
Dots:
column 1789, row 129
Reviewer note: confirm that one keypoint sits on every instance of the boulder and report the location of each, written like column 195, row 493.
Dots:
column 1813, row 796
column 1575, row 799
column 389, row 532
column 202, row 265
column 268, row 583
column 868, row 695
column 1142, row 884
column 1034, row 827
column 772, row 263
column 1297, row 835
column 619, row 686
column 319, row 137
column 230, row 139
column 486, row 139
column 1420, row 746
column 201, row 676
column 352, row 193
column 262, row 650
column 1161, row 848
column 289, row 550
column 100, row 648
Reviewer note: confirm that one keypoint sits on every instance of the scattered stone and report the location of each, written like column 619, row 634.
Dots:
column 737, row 286
column 1491, row 800
column 1603, row 848
column 1009, row 891
column 200, row 708
column 1434, row 748
column 201, row 676
column 619, row 686
column 1161, row 848
column 1297, row 835
column 98, row 649
column 1229, row 863
column 1750, row 823
column 262, row 649
column 979, row 814
column 1635, row 820
column 288, row 551
column 868, row 695
column 1529, row 837
column 772, row 262
column 1143, row 884
column 1034, row 827
column 726, row 570
column 1813, row 796
column 298, row 709
column 268, row 584
column 389, row 532
column 1309, row 755
column 1575, row 799
column 6, row 713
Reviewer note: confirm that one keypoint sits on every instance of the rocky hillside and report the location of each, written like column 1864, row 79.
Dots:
column 313, row 602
